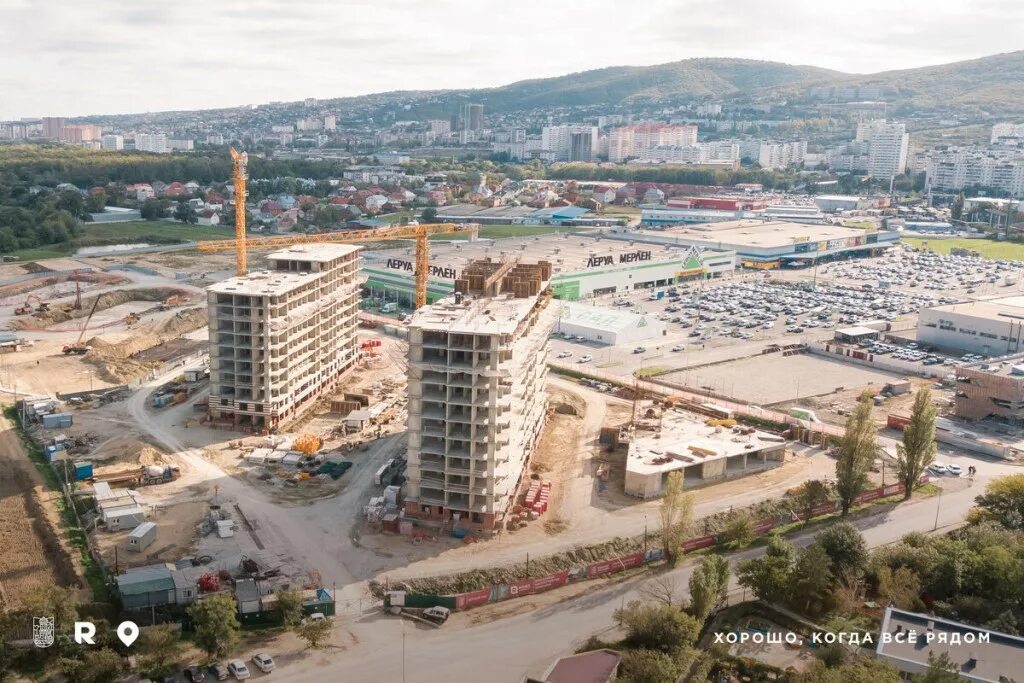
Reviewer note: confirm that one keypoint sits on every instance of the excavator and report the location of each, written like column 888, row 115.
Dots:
column 26, row 308
column 79, row 349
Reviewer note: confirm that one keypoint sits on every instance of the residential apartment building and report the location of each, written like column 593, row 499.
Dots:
column 472, row 117
column 52, row 126
column 889, row 145
column 1008, row 134
column 280, row 337
column 570, row 143
column 151, row 142
column 636, row 141
column 110, row 141
column 477, row 369
column 779, row 155
column 77, row 134
column 958, row 169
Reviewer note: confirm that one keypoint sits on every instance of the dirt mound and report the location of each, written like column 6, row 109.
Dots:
column 118, row 452
column 119, row 362
column 108, row 300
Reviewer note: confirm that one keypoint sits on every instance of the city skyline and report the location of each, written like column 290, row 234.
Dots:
column 109, row 58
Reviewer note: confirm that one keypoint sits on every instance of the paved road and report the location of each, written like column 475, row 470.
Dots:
column 508, row 649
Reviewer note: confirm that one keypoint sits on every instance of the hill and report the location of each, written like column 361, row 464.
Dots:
column 697, row 78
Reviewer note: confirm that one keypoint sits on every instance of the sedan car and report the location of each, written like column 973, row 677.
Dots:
column 238, row 669
column 218, row 672
column 678, row 347
column 265, row 662
column 564, row 354
column 585, row 358
column 954, row 470
column 194, row 674
column 938, row 468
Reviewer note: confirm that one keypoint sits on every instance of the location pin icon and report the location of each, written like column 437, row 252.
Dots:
column 128, row 631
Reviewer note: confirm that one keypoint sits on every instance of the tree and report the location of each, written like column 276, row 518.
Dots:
column 901, row 586
column 768, row 576
column 289, row 601
column 811, row 580
column 863, row 670
column 1003, row 501
column 102, row 665
column 185, row 213
column 662, row 589
column 917, row 450
column 215, row 621
column 845, row 548
column 96, row 201
column 856, row 454
column 159, row 650
column 709, row 585
column 739, row 530
column 59, row 602
column 657, row 627
column 314, row 632
column 676, row 516
column 941, row 669
column 647, row 666
column 956, row 210
column 153, row 209
column 812, row 493
column 429, row 214
column 307, row 444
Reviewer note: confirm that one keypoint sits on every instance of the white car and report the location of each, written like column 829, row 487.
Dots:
column 678, row 347
column 585, row 358
column 564, row 354
column 238, row 669
column 954, row 470
column 265, row 662
column 938, row 468
column 640, row 349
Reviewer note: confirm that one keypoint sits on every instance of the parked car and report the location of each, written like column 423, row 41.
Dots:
column 265, row 662
column 678, row 347
column 194, row 674
column 585, row 358
column 219, row 672
column 238, row 669
column 640, row 349
column 954, row 470
column 564, row 354
column 938, row 468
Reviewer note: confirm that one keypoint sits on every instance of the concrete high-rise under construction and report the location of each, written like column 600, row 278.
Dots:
column 477, row 405
column 280, row 337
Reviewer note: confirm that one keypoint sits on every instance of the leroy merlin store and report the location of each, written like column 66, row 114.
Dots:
column 582, row 266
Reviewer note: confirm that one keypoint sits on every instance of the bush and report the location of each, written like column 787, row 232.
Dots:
column 647, row 666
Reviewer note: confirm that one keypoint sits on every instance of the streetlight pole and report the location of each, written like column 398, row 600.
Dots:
column 938, row 503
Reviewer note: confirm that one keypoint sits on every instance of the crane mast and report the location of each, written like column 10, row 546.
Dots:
column 240, row 162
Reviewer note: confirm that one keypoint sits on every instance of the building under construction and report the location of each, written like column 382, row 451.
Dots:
column 477, row 405
column 279, row 338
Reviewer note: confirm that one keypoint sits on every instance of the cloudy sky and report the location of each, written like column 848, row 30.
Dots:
column 62, row 57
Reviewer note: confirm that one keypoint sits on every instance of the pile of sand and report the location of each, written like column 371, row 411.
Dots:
column 116, row 362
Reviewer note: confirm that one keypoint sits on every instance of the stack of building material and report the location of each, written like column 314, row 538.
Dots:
column 540, row 506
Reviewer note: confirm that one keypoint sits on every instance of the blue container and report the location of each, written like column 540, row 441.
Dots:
column 83, row 470
column 50, row 452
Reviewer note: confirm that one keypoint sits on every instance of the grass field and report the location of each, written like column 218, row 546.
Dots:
column 130, row 231
column 993, row 249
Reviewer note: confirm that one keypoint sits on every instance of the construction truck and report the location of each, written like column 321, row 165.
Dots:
column 145, row 475
column 26, row 308
column 172, row 301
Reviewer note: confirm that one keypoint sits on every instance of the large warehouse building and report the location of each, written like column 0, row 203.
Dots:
column 607, row 325
column 993, row 327
column 769, row 244
column 584, row 266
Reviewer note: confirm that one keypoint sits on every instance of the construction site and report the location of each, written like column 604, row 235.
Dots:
column 243, row 401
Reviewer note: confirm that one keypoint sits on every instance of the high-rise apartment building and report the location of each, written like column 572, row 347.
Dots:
column 472, row 117
column 889, row 145
column 440, row 126
column 960, row 169
column 477, row 369
column 571, row 143
column 330, row 122
column 636, row 141
column 52, row 126
column 111, row 141
column 151, row 142
column 280, row 337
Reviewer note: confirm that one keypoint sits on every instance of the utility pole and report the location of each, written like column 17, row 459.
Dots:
column 938, row 503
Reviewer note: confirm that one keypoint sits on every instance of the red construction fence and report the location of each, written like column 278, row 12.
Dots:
column 595, row 570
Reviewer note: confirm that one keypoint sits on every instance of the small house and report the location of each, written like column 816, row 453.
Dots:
column 149, row 586
column 142, row 537
column 247, row 595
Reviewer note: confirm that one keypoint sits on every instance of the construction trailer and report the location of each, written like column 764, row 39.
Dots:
column 142, row 537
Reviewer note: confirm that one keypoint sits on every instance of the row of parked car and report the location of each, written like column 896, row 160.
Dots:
column 913, row 268
column 235, row 669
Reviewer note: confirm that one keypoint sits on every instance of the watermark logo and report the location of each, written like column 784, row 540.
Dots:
column 42, row 631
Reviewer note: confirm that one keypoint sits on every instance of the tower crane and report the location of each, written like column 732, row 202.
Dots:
column 397, row 232
column 240, row 176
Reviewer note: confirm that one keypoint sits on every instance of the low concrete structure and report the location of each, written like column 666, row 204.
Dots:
column 914, row 637
column 607, row 325
column 990, row 327
column 701, row 452
column 996, row 391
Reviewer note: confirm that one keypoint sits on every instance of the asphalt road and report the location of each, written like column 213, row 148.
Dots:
column 508, row 649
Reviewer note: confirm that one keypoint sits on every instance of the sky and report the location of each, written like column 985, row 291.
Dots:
column 68, row 58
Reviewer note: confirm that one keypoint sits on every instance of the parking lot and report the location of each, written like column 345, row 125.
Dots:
column 774, row 378
column 905, row 267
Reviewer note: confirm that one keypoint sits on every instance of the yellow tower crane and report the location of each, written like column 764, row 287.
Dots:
column 396, row 232
column 240, row 174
